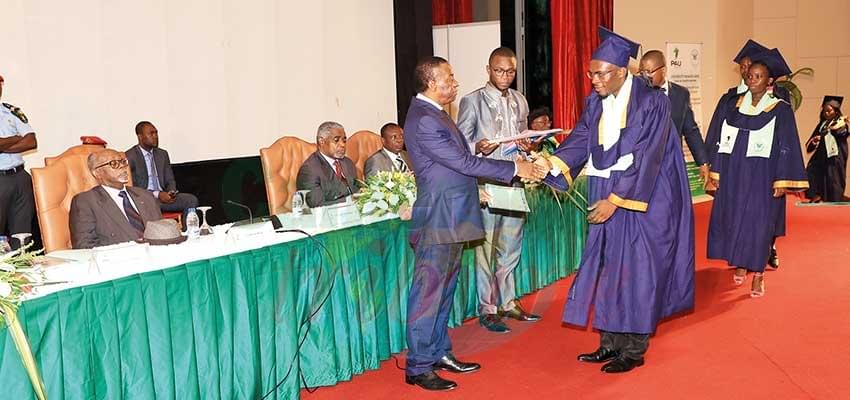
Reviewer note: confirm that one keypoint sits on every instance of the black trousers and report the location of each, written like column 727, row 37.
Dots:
column 630, row 345
column 16, row 203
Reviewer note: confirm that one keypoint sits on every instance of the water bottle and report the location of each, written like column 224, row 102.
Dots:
column 5, row 247
column 297, row 203
column 193, row 224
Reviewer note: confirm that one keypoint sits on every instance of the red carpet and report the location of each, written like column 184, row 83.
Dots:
column 790, row 344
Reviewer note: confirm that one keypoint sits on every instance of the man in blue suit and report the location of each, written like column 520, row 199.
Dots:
column 446, row 215
column 653, row 66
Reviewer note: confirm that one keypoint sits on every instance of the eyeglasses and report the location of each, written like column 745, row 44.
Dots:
column 599, row 74
column 503, row 72
column 114, row 164
column 646, row 72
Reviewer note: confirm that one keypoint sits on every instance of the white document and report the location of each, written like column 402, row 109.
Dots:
column 527, row 134
column 507, row 198
column 728, row 134
column 831, row 145
column 761, row 140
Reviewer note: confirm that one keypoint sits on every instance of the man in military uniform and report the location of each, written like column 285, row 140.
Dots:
column 16, row 202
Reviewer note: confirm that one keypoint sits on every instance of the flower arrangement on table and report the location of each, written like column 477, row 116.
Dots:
column 20, row 272
column 387, row 192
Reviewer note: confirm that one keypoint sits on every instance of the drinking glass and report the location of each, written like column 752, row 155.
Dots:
column 205, row 228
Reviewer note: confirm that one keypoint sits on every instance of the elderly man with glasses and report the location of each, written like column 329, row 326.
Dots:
column 112, row 212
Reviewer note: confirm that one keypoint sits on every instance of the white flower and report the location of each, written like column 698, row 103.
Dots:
column 7, row 267
column 383, row 205
column 393, row 199
column 368, row 207
column 5, row 289
column 377, row 195
column 9, row 255
column 390, row 185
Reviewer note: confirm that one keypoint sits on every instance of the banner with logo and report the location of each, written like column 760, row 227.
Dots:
column 684, row 66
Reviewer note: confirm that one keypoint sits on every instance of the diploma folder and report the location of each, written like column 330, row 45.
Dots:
column 507, row 198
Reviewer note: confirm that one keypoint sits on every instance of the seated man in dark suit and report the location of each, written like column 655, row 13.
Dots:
column 653, row 65
column 111, row 212
column 151, row 170
column 392, row 156
column 328, row 174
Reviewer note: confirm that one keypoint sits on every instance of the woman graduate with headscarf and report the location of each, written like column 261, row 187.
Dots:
column 758, row 159
column 827, row 169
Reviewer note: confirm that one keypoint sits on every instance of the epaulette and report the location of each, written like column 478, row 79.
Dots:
column 16, row 111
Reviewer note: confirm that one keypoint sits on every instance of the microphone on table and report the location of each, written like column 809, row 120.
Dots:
column 250, row 214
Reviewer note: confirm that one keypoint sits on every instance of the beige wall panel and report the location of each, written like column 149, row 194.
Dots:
column 824, row 80
column 683, row 22
column 775, row 8
column 842, row 87
column 780, row 33
column 807, row 117
column 735, row 20
column 219, row 78
column 359, row 72
column 824, row 28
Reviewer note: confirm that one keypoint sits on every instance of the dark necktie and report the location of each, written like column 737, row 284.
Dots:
column 132, row 215
column 402, row 166
column 338, row 168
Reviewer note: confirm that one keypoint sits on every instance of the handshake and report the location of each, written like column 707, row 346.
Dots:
column 534, row 170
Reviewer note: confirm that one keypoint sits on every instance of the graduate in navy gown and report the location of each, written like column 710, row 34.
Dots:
column 712, row 139
column 827, row 169
column 757, row 161
column 744, row 60
column 638, row 263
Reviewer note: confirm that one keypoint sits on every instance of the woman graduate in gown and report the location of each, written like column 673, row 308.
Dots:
column 757, row 161
column 827, row 169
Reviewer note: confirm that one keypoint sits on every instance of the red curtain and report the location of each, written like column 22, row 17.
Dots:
column 446, row 12
column 574, row 38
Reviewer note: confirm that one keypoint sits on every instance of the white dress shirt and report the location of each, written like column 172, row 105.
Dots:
column 114, row 195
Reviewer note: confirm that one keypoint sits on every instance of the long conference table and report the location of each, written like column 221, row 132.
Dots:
column 259, row 322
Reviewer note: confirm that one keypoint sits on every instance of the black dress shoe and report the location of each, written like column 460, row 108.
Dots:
column 621, row 364
column 452, row 364
column 519, row 314
column 773, row 260
column 430, row 381
column 601, row 355
column 493, row 323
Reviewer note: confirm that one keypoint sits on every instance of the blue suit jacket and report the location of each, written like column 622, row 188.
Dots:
column 447, row 208
column 683, row 121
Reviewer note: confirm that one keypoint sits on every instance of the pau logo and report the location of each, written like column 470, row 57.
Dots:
column 675, row 62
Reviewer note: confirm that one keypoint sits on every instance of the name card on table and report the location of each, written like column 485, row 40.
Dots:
column 336, row 216
column 120, row 256
column 253, row 231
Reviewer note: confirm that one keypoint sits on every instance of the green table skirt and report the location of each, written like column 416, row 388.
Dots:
column 230, row 327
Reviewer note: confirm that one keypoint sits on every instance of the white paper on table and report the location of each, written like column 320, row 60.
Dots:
column 526, row 134
column 507, row 198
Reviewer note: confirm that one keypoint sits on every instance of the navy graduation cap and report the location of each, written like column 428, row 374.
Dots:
column 614, row 49
column 750, row 49
column 774, row 61
column 834, row 101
